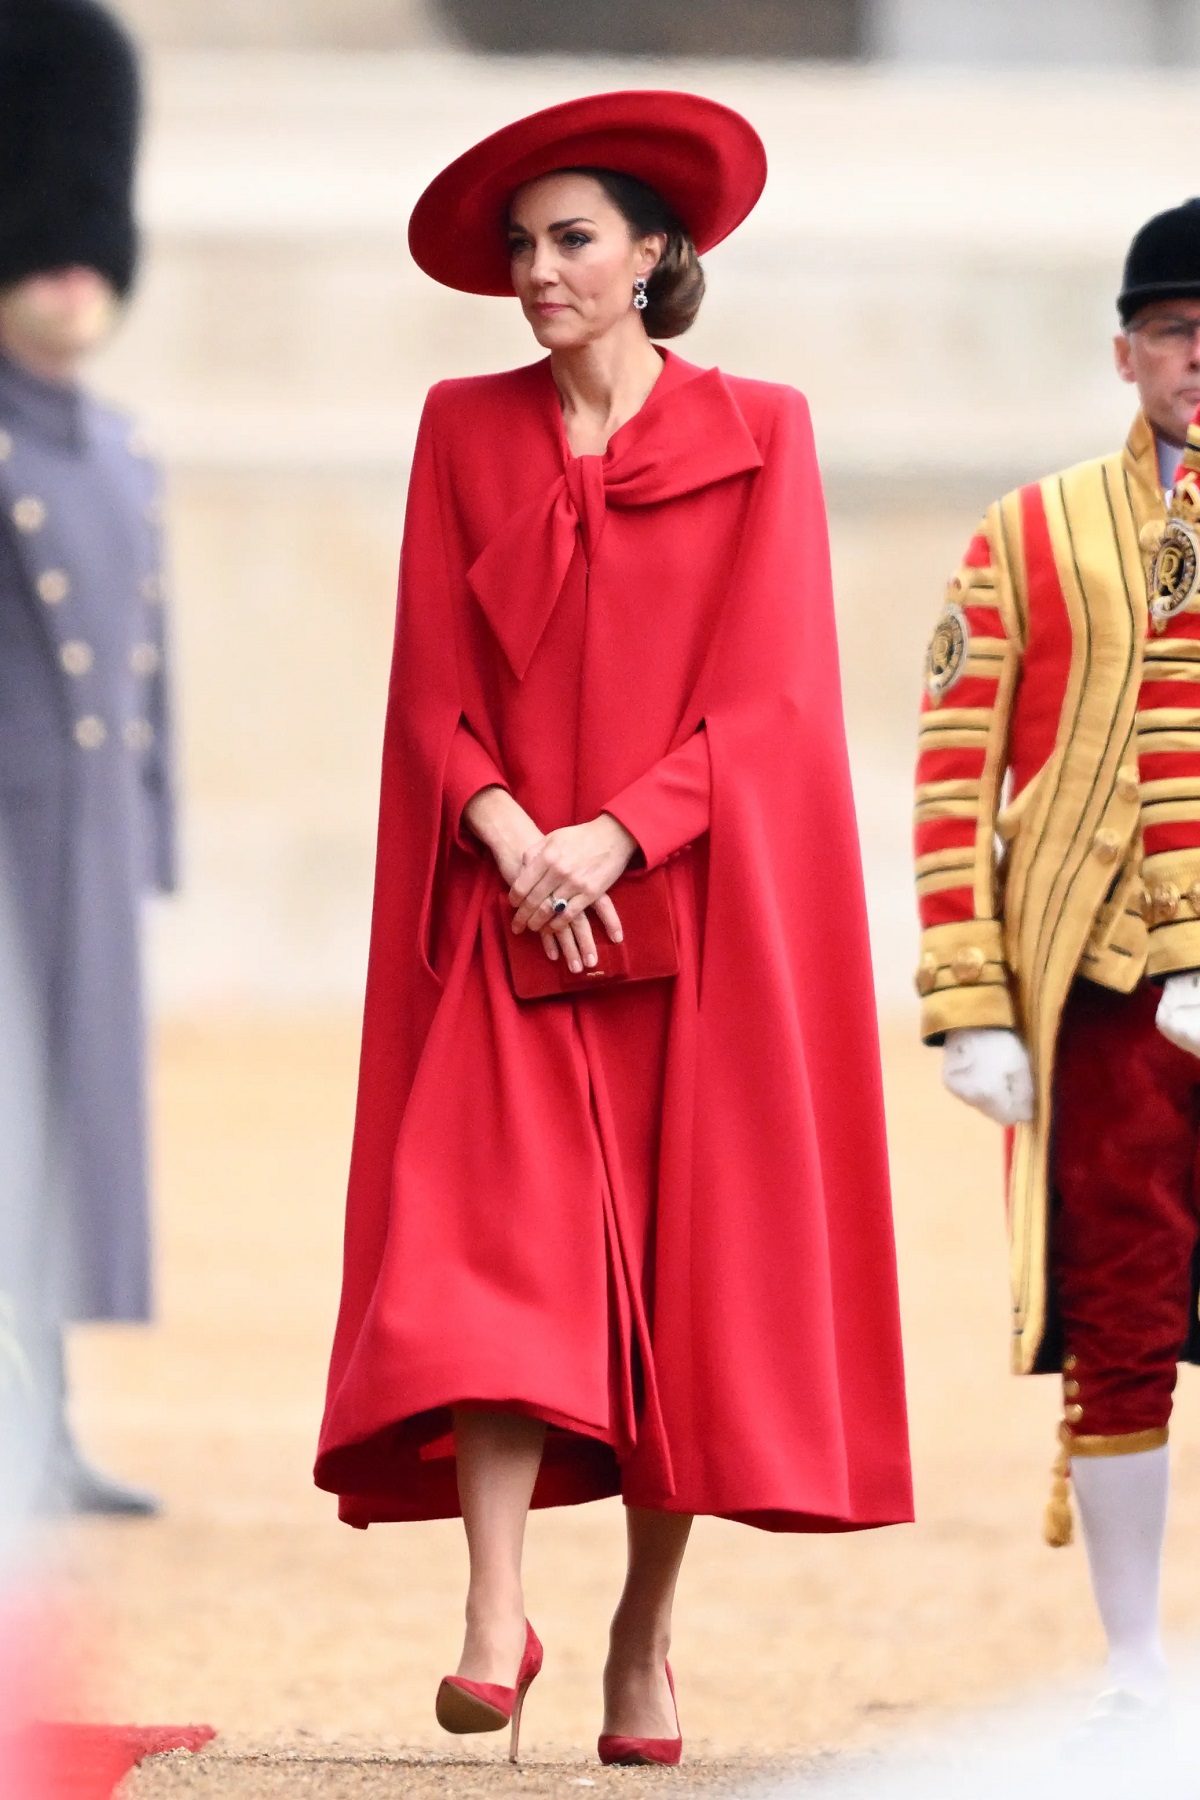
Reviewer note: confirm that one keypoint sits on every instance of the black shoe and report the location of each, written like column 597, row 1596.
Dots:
column 71, row 1487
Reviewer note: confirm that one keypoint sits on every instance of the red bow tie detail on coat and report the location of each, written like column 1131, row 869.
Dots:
column 682, row 440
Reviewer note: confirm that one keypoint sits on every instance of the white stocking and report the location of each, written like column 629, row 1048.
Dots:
column 1123, row 1506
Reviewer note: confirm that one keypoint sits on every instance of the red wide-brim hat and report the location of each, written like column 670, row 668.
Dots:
column 704, row 159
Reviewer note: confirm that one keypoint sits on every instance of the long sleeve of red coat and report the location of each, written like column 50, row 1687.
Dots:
column 667, row 808
column 469, row 768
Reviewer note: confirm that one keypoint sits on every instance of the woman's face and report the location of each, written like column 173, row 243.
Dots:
column 573, row 260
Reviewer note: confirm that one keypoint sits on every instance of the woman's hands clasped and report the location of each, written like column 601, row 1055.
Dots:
column 571, row 869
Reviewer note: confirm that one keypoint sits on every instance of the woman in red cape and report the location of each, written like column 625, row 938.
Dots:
column 636, row 1240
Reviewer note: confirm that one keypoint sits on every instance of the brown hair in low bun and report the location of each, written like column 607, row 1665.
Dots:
column 676, row 287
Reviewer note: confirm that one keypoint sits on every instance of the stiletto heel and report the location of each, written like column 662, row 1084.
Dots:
column 463, row 1706
column 629, row 1751
column 514, row 1736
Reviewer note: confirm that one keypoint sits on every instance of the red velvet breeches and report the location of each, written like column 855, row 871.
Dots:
column 1126, row 1165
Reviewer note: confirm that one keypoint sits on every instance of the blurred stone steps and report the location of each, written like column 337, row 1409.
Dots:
column 934, row 263
column 258, row 24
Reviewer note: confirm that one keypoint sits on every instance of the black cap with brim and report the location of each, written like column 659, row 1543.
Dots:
column 1163, row 261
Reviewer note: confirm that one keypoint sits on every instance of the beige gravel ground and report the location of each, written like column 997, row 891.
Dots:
column 343, row 1776
column 316, row 1650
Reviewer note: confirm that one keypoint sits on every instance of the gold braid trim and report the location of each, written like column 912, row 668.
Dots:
column 1058, row 1527
column 1082, row 819
column 1128, row 1443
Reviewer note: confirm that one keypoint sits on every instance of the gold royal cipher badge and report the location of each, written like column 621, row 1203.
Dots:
column 1175, row 569
column 948, row 650
column 1175, row 572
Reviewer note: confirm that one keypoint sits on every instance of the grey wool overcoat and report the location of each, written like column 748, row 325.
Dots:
column 86, row 808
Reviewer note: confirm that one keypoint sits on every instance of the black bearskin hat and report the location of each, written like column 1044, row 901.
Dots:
column 1163, row 261
column 69, row 112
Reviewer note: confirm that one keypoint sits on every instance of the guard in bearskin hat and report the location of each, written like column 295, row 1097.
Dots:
column 85, row 772
column 1062, row 975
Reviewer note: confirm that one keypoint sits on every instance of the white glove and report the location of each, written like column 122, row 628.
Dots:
column 1178, row 1015
column 989, row 1068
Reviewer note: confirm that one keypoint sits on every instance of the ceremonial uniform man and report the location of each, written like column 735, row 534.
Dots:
column 85, row 791
column 1059, row 974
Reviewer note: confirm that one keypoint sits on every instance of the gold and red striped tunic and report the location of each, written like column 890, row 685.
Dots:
column 1057, row 828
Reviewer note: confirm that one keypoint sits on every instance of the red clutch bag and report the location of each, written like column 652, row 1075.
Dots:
column 648, row 951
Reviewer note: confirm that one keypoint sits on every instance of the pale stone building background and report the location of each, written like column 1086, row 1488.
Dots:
column 934, row 263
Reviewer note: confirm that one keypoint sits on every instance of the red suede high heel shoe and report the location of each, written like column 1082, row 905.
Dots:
column 464, row 1705
column 629, row 1751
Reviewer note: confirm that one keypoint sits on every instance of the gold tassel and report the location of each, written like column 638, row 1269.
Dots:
column 1059, row 1526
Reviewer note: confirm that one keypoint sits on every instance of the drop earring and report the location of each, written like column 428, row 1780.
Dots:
column 640, row 297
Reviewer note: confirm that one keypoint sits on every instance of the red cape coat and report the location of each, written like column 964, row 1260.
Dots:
column 657, row 1218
